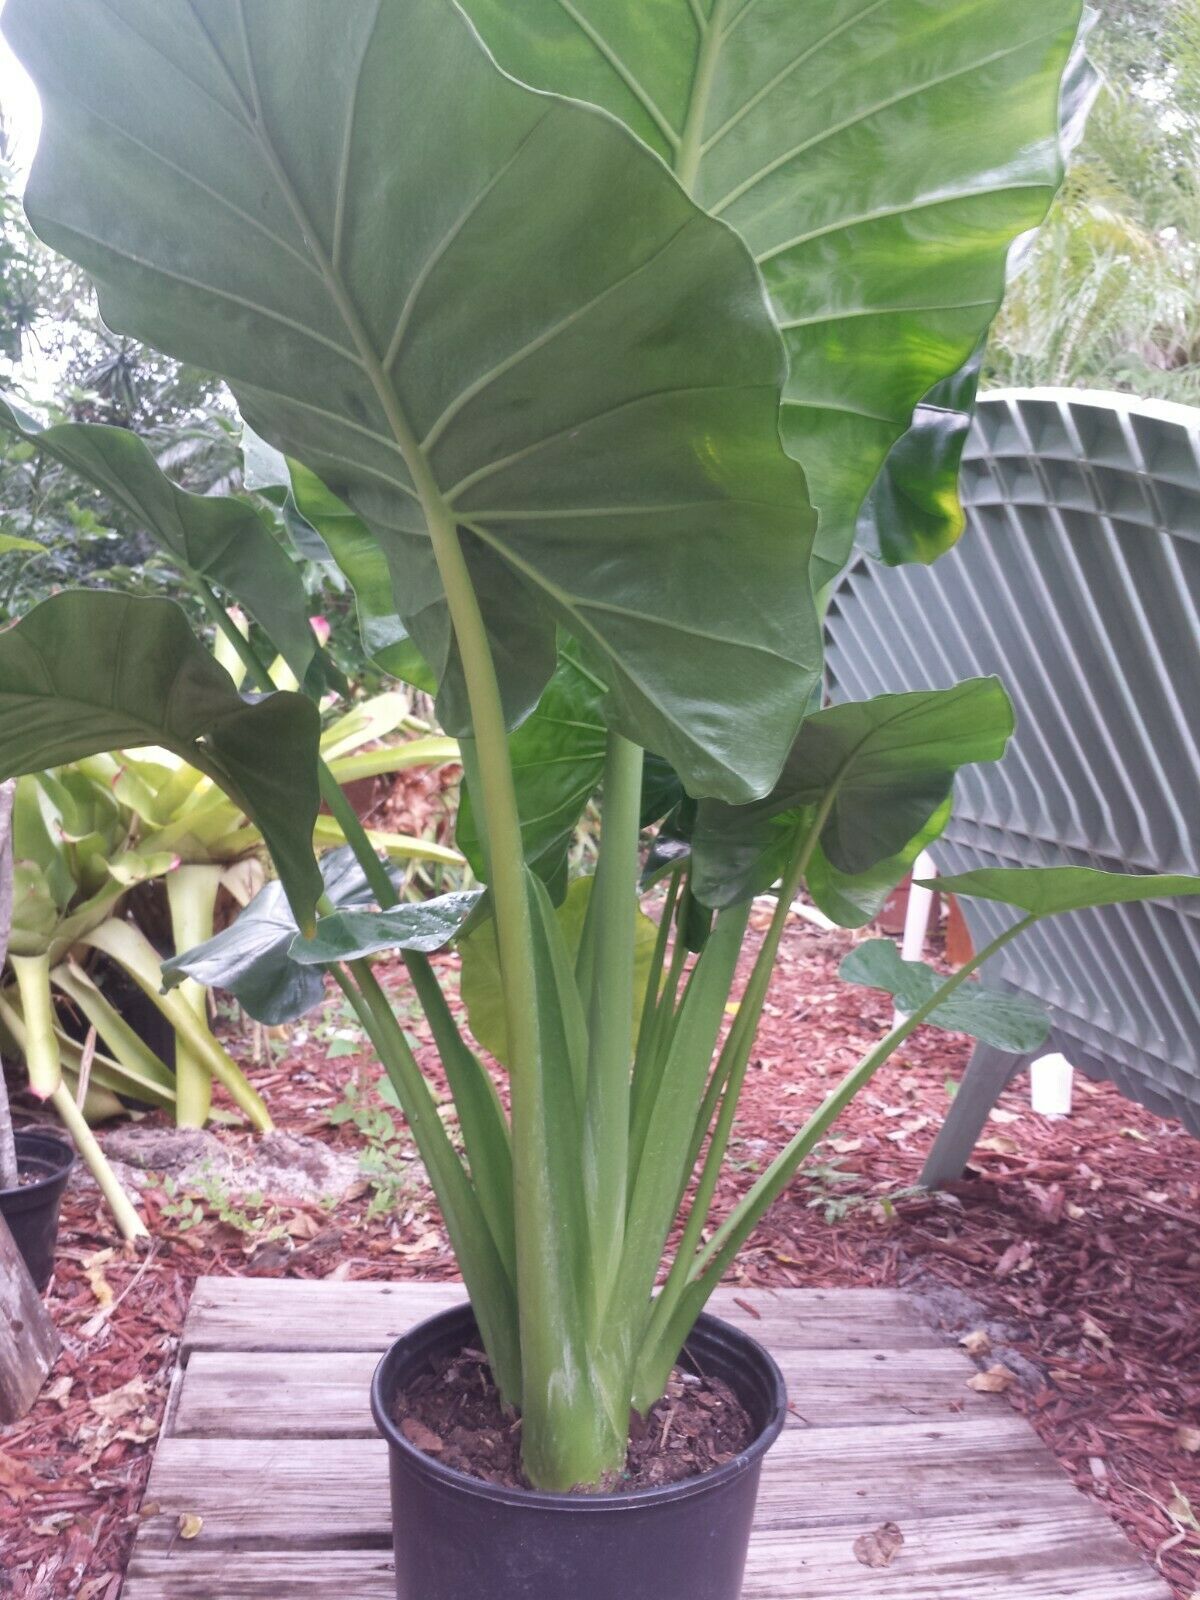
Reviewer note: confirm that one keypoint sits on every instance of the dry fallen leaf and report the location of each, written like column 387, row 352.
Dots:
column 976, row 1343
column 1002, row 1145
column 17, row 1480
column 1093, row 1331
column 1188, row 1439
column 430, row 1240
column 999, row 1114
column 880, row 1547
column 189, row 1524
column 59, row 1390
column 95, row 1588
column 130, row 1400
column 994, row 1381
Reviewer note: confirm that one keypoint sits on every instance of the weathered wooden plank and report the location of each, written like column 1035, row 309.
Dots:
column 302, row 1314
column 1068, row 1551
column 1062, row 1553
column 28, row 1342
column 325, row 1394
column 329, row 1492
column 270, row 1443
column 192, row 1573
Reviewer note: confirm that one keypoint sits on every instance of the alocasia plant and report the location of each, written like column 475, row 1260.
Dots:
column 527, row 357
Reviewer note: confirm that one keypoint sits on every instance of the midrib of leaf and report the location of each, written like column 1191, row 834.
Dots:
column 690, row 147
column 255, row 124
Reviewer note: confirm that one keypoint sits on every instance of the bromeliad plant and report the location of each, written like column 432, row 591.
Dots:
column 524, row 346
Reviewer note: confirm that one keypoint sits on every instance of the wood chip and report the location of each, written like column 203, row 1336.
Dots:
column 424, row 1438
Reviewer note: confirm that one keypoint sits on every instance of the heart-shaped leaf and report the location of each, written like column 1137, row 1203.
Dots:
column 251, row 960
column 521, row 335
column 1003, row 1020
column 879, row 161
column 91, row 671
column 888, row 764
column 224, row 540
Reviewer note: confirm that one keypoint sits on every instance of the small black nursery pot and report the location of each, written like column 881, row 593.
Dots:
column 460, row 1538
column 31, row 1210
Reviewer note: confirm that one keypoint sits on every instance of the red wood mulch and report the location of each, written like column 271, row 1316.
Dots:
column 1072, row 1252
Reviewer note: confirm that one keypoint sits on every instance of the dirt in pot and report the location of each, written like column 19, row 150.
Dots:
column 453, row 1413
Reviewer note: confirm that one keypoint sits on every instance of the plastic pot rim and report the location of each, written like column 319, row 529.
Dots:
column 709, row 1327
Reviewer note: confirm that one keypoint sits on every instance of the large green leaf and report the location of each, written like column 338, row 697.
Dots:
column 993, row 1016
column 460, row 300
column 90, row 671
column 879, row 157
column 421, row 925
column 852, row 899
column 225, row 541
column 1045, row 891
column 250, row 958
column 913, row 512
column 558, row 760
column 889, row 763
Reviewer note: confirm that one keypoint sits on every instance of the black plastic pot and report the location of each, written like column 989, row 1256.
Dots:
column 458, row 1538
column 31, row 1211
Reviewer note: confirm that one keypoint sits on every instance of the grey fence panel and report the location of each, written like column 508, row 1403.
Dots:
column 1077, row 582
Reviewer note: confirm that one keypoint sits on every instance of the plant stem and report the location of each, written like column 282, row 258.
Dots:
column 657, row 1357
column 652, row 1056
column 355, row 835
column 732, row 1065
column 134, row 953
column 332, row 793
column 145, row 1073
column 780, row 1171
column 119, row 1203
column 43, row 1061
column 610, row 1020
column 487, row 1282
column 192, row 897
column 654, row 981
column 558, row 1448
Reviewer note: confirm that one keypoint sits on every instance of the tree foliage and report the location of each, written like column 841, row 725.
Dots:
column 1109, row 295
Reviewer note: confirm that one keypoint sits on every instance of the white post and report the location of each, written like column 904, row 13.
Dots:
column 916, row 918
column 1050, row 1081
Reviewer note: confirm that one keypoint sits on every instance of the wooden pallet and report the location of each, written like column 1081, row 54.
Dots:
column 269, row 1440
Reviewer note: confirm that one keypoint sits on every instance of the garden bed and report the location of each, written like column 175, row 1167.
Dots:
column 1069, row 1260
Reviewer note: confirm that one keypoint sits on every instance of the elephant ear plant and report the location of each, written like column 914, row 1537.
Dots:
column 521, row 345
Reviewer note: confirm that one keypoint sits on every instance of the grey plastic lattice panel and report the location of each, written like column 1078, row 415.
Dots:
column 1077, row 582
